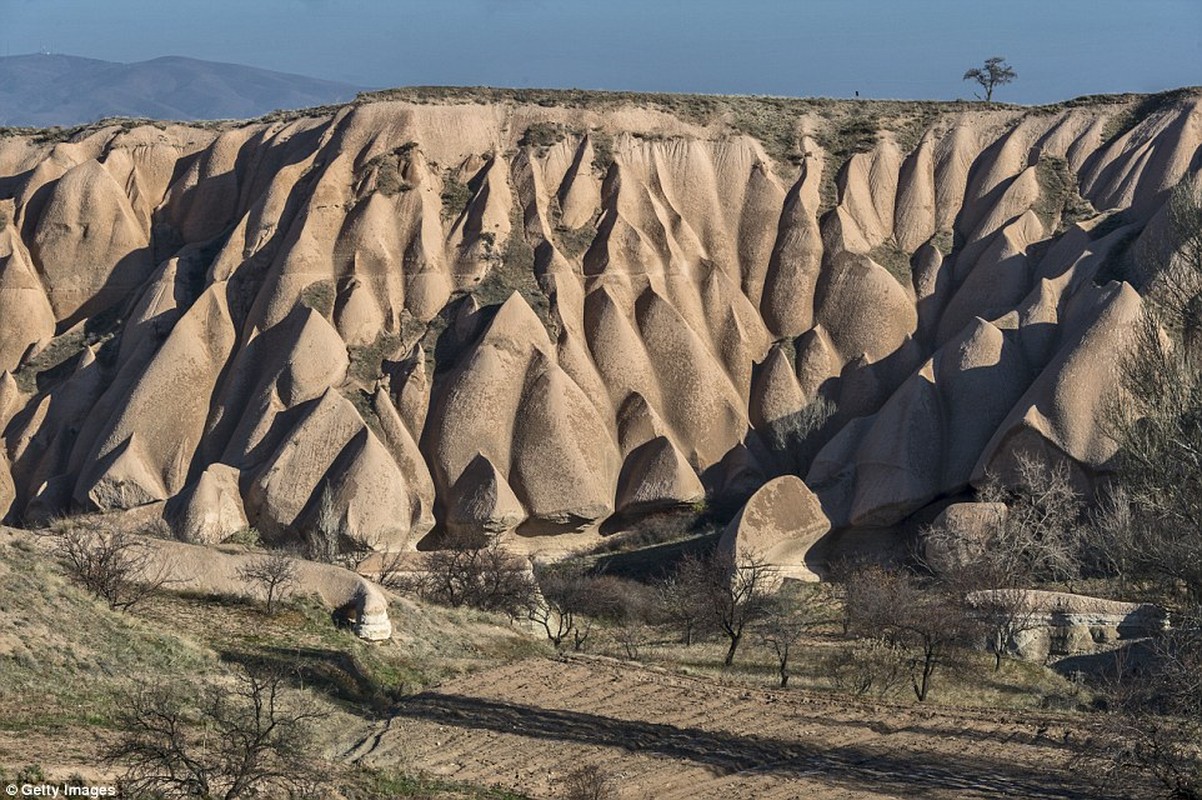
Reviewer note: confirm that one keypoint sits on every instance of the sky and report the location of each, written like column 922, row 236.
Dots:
column 834, row 48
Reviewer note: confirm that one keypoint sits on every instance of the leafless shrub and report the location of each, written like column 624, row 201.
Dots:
column 118, row 567
column 572, row 600
column 681, row 605
column 867, row 665
column 1004, row 615
column 395, row 570
column 1150, row 528
column 1155, row 727
column 1152, row 522
column 633, row 635
column 1041, row 537
column 476, row 573
column 656, row 527
column 249, row 741
column 588, row 782
column 926, row 624
column 275, row 575
column 788, row 617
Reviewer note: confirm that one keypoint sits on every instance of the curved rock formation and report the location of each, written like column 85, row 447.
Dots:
column 779, row 526
column 498, row 315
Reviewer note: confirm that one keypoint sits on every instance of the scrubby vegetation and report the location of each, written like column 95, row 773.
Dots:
column 107, row 679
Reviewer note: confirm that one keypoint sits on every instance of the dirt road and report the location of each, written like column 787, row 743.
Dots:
column 663, row 736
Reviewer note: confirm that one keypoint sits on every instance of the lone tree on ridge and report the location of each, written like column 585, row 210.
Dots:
column 996, row 72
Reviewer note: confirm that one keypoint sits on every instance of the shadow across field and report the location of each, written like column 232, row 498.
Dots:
column 334, row 673
column 852, row 767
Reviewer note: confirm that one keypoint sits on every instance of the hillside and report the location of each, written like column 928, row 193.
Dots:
column 532, row 312
column 70, row 663
column 44, row 90
column 462, row 704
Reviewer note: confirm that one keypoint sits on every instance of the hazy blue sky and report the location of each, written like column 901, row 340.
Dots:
column 883, row 48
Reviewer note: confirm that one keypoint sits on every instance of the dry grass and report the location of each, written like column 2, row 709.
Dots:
column 65, row 657
column 1060, row 203
column 972, row 684
column 771, row 120
column 67, row 660
column 895, row 261
column 320, row 296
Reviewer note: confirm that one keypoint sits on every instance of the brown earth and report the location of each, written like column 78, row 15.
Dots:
column 664, row 735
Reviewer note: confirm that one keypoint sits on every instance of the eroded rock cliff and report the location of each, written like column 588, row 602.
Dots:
column 506, row 312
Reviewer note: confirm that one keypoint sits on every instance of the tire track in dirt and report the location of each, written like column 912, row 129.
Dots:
column 662, row 735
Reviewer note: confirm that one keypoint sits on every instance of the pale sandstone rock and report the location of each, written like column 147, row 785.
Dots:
column 656, row 475
column 213, row 510
column 203, row 569
column 620, row 376
column 8, row 490
column 780, row 525
column 87, row 219
column 1063, row 624
column 26, row 318
column 483, row 501
column 863, row 308
column 964, row 530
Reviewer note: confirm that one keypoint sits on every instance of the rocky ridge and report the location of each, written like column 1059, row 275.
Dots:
column 523, row 315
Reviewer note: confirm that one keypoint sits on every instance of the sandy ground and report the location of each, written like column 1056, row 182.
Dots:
column 663, row 735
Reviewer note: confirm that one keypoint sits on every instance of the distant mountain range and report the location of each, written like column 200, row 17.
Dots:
column 44, row 90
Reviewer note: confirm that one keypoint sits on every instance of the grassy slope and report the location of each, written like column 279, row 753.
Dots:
column 66, row 660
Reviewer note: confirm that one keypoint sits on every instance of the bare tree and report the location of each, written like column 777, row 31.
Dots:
column 1153, row 523
column 788, row 618
column 632, row 634
column 1004, row 615
column 681, row 601
column 571, row 601
column 557, row 623
column 926, row 623
column 249, row 741
column 996, row 72
column 734, row 590
column 559, row 607
column 1155, row 727
column 477, row 572
column 1150, row 528
column 118, row 567
column 275, row 574
column 1041, row 536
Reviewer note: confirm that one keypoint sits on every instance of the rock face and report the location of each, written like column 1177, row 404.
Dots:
column 779, row 525
column 511, row 317
column 354, row 599
column 968, row 527
column 213, row 510
column 1058, row 624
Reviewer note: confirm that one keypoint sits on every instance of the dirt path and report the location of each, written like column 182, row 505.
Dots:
column 667, row 736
